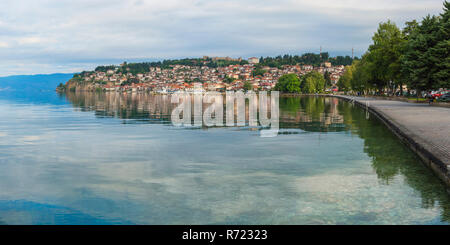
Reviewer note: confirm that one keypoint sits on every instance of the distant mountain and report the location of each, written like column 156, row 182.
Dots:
column 33, row 82
column 36, row 89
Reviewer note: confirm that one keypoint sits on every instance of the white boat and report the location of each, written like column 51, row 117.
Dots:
column 162, row 91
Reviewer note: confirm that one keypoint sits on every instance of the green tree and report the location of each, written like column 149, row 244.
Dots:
column 313, row 82
column 405, row 72
column 319, row 82
column 344, row 82
column 440, row 53
column 288, row 83
column 258, row 72
column 360, row 80
column 309, row 86
column 327, row 77
column 420, row 57
column 247, row 86
column 228, row 79
column 385, row 53
column 305, row 59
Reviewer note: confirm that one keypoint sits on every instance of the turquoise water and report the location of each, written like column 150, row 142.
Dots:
column 116, row 159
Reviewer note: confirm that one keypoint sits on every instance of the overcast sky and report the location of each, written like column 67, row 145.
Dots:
column 48, row 36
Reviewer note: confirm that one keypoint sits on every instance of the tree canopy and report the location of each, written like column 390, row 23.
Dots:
column 288, row 83
column 417, row 56
column 305, row 59
column 310, row 83
column 313, row 82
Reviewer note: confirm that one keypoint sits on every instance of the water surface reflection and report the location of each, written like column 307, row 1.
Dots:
column 110, row 158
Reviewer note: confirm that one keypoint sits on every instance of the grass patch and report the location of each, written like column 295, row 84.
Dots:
column 419, row 99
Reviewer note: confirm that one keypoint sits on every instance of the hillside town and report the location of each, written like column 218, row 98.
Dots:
column 241, row 76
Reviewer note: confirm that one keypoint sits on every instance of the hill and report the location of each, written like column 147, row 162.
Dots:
column 33, row 82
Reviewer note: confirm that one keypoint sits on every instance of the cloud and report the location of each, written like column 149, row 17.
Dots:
column 63, row 35
column 30, row 40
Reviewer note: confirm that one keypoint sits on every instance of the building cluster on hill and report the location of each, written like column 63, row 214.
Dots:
column 178, row 77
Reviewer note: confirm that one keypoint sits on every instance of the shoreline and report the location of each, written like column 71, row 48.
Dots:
column 282, row 95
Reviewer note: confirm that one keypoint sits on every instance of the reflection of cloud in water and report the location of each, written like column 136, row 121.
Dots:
column 359, row 199
column 29, row 139
column 232, row 198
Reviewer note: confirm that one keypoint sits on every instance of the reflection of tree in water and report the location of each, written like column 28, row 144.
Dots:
column 311, row 113
column 391, row 158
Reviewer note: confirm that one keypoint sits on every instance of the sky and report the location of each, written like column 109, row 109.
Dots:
column 63, row 36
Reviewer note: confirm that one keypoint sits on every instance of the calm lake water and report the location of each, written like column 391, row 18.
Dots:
column 92, row 158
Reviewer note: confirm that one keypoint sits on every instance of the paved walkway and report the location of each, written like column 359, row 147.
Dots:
column 426, row 125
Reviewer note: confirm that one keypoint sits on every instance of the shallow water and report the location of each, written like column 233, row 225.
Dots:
column 92, row 158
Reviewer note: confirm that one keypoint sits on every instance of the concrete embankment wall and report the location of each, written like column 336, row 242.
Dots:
column 437, row 163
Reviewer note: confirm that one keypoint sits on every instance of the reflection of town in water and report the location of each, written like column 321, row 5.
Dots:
column 310, row 114
column 140, row 106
